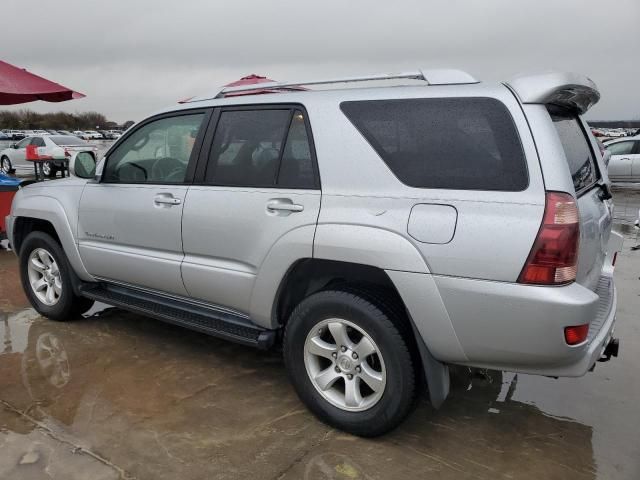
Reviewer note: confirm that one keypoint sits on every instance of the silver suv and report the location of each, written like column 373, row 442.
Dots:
column 378, row 234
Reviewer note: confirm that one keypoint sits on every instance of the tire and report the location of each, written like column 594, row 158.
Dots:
column 55, row 298
column 5, row 165
column 380, row 405
column 48, row 170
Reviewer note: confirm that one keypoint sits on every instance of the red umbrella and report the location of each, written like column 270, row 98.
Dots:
column 19, row 86
column 254, row 79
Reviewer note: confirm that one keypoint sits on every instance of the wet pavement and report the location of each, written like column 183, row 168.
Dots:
column 117, row 395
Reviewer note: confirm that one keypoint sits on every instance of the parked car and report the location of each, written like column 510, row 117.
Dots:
column 624, row 165
column 64, row 132
column 92, row 135
column 16, row 134
column 462, row 223
column 14, row 158
column 4, row 136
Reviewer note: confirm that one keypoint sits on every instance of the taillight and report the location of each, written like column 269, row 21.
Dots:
column 576, row 335
column 554, row 257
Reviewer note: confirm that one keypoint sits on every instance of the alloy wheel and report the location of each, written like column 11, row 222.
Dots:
column 44, row 277
column 5, row 165
column 345, row 365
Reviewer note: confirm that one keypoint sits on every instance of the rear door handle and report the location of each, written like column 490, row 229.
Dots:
column 283, row 205
column 166, row 199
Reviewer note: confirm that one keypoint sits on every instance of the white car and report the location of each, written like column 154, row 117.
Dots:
column 14, row 158
column 92, row 135
column 624, row 165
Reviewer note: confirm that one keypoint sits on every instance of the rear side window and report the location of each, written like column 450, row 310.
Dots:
column 261, row 148
column 452, row 143
column 576, row 149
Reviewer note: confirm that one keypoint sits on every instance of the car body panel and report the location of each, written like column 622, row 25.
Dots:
column 236, row 252
column 123, row 235
column 58, row 206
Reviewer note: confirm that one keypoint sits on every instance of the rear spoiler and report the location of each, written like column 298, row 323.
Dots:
column 569, row 90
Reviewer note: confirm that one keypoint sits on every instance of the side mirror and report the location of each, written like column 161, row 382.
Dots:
column 14, row 145
column 83, row 165
column 606, row 158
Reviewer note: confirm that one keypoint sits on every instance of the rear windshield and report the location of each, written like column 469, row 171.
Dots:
column 452, row 143
column 576, row 149
column 66, row 140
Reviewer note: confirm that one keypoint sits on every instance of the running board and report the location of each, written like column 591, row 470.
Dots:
column 215, row 322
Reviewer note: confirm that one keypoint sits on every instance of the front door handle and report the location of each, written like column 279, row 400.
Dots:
column 283, row 205
column 166, row 199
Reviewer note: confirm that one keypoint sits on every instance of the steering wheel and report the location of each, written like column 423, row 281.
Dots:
column 120, row 169
column 168, row 169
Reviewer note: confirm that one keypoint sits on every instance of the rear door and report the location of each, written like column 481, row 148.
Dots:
column 257, row 181
column 621, row 161
column 129, row 222
column 595, row 212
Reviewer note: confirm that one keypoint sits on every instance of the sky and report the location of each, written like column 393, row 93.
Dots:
column 132, row 58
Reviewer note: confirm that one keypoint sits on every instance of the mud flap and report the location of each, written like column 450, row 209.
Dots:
column 436, row 373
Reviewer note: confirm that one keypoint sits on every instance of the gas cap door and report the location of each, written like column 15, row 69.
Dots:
column 433, row 223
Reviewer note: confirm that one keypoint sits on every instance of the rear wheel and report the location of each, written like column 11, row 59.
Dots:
column 46, row 279
column 349, row 363
column 48, row 169
column 5, row 165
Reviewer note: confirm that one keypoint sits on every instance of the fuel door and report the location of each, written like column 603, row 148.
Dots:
column 432, row 223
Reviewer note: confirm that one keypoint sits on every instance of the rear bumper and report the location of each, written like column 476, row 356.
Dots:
column 520, row 328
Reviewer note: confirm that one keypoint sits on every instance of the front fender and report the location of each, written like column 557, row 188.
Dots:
column 48, row 208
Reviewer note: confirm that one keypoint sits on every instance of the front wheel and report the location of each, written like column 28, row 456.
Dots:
column 46, row 279
column 5, row 165
column 349, row 363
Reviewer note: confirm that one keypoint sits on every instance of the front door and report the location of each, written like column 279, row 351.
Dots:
column 129, row 222
column 257, row 182
column 620, row 163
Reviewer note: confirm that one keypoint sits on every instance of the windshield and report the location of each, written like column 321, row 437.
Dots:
column 67, row 140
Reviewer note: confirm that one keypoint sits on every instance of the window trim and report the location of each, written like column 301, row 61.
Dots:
column 506, row 108
column 195, row 151
column 203, row 160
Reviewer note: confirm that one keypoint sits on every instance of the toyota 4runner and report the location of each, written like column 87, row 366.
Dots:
column 378, row 234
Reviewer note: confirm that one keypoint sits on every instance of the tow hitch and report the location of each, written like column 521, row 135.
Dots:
column 611, row 350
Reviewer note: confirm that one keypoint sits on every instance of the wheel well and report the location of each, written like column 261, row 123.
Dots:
column 311, row 275
column 23, row 226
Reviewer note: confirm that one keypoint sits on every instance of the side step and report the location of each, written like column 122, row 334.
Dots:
column 216, row 322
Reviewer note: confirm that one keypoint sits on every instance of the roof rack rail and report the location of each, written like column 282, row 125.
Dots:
column 431, row 77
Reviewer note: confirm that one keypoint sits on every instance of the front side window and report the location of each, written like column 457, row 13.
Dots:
column 37, row 141
column 261, row 148
column 24, row 143
column 451, row 143
column 157, row 152
column 622, row 148
column 576, row 148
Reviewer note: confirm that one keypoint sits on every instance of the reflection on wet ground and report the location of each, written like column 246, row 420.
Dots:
column 117, row 395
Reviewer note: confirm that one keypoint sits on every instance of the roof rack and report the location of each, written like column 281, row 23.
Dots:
column 431, row 77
